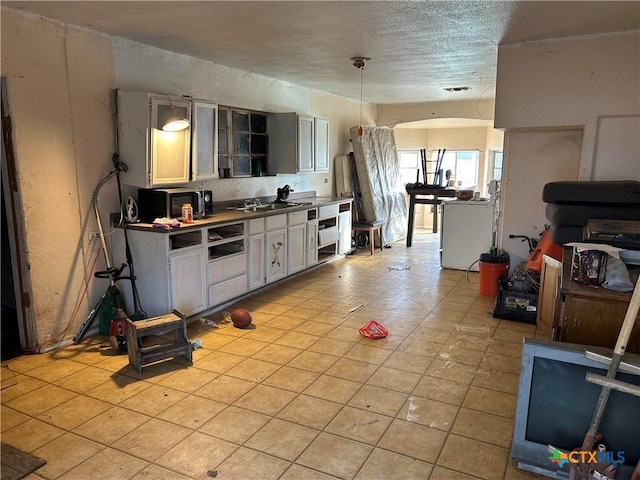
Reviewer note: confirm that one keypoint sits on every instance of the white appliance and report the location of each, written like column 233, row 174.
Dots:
column 467, row 231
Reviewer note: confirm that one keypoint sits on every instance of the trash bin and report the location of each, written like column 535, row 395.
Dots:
column 490, row 273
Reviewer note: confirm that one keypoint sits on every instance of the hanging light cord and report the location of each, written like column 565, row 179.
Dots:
column 361, row 73
column 359, row 62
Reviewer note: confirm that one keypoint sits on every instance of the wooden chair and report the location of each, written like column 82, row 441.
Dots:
column 363, row 226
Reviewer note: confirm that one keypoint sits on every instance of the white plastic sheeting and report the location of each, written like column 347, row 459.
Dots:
column 378, row 170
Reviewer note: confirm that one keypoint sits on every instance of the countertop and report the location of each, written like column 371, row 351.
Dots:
column 222, row 214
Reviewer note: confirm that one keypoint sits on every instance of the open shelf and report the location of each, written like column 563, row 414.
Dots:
column 224, row 232
column 185, row 240
column 224, row 249
column 224, row 240
column 327, row 251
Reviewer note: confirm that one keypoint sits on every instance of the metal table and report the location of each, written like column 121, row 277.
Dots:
column 416, row 196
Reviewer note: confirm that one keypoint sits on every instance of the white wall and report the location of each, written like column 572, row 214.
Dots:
column 59, row 81
column 391, row 115
column 432, row 139
column 550, row 98
column 543, row 156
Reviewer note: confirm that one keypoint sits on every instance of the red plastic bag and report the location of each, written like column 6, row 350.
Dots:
column 373, row 330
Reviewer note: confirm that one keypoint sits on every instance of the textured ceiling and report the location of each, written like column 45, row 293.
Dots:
column 417, row 48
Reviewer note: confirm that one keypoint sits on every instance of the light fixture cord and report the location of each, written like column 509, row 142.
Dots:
column 361, row 72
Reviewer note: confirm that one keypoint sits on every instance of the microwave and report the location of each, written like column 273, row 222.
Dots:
column 167, row 202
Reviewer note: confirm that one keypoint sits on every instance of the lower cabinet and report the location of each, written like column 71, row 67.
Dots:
column 195, row 269
column 256, row 262
column 312, row 238
column 170, row 270
column 226, row 278
column 187, row 276
column 296, row 242
column 223, row 291
column 226, row 262
column 327, row 232
column 276, row 255
column 344, row 232
column 256, row 266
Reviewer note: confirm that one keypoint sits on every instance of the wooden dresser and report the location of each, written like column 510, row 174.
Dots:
column 593, row 315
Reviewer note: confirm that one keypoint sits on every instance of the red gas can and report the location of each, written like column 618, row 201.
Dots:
column 545, row 247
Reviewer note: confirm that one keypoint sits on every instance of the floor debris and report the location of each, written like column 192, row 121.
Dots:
column 399, row 267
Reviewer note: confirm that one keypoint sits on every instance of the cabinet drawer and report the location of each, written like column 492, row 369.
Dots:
column 256, row 225
column 297, row 218
column 226, row 267
column 327, row 211
column 276, row 221
column 327, row 236
column 221, row 292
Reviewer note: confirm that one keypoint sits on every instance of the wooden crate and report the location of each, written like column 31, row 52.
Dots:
column 156, row 339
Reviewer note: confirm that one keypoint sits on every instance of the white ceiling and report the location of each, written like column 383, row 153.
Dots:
column 417, row 48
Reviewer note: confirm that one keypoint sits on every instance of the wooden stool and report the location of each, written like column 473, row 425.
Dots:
column 372, row 228
column 142, row 355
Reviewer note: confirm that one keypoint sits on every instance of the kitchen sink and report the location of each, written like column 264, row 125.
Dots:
column 254, row 207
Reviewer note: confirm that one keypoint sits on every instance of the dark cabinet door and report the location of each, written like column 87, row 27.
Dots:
column 596, row 321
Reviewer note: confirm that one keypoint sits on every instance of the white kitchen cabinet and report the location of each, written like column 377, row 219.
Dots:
column 153, row 157
column 204, row 154
column 169, row 268
column 227, row 262
column 344, row 231
column 296, row 251
column 305, row 144
column 321, row 144
column 312, row 242
column 291, row 142
column 296, row 241
column 187, row 277
column 194, row 269
column 276, row 253
column 256, row 261
column 276, row 247
column 328, row 234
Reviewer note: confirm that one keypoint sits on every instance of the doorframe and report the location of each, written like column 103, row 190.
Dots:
column 15, row 222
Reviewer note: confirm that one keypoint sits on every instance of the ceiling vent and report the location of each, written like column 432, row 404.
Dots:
column 457, row 89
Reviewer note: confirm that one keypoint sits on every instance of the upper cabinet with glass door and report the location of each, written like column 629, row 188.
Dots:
column 154, row 157
column 204, row 155
column 242, row 143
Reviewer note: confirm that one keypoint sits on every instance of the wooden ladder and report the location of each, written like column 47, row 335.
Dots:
column 169, row 332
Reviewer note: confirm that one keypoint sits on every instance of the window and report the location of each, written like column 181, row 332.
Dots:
column 410, row 166
column 463, row 166
column 460, row 165
column 242, row 142
column 495, row 164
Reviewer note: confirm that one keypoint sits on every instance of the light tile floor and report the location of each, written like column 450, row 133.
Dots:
column 301, row 396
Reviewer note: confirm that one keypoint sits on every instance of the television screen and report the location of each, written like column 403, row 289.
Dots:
column 556, row 403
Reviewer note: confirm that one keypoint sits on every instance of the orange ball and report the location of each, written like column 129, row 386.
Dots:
column 241, row 318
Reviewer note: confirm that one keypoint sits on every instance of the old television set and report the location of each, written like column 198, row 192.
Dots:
column 555, row 406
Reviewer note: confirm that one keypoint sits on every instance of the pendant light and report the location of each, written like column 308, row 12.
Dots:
column 359, row 62
column 175, row 122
